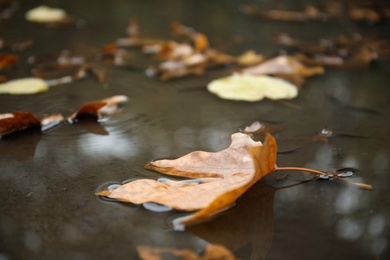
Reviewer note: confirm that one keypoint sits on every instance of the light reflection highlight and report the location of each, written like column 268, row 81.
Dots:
column 349, row 229
column 110, row 145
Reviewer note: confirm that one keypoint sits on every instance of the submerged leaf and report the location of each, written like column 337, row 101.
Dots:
column 24, row 86
column 252, row 88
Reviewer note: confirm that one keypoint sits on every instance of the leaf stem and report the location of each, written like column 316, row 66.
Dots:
column 300, row 169
column 361, row 185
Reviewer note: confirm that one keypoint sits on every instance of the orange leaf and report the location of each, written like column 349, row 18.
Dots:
column 264, row 158
column 17, row 121
column 107, row 106
column 226, row 176
column 159, row 253
column 201, row 42
column 221, row 172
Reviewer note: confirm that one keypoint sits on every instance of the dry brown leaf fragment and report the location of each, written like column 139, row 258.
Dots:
column 264, row 159
column 98, row 109
column 216, row 57
column 7, row 60
column 283, row 65
column 50, row 121
column 12, row 122
column 369, row 12
column 17, row 121
column 224, row 171
column 250, row 58
column 212, row 252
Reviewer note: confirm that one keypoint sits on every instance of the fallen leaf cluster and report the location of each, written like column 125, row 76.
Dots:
column 18, row 121
column 16, row 46
column 191, row 55
column 348, row 52
column 7, row 10
column 366, row 11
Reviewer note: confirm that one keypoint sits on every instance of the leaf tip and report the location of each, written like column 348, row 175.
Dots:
column 103, row 193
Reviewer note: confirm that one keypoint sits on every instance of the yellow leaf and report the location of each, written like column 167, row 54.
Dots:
column 24, row 86
column 45, row 14
column 252, row 88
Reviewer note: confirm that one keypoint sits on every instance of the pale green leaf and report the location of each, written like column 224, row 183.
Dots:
column 24, row 86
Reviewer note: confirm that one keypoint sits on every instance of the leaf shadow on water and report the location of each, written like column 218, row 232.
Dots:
column 247, row 229
column 20, row 145
column 92, row 126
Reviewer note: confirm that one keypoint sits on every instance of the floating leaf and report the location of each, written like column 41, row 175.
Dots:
column 221, row 172
column 369, row 12
column 25, row 86
column 159, row 253
column 264, row 159
column 98, row 109
column 11, row 122
column 7, row 60
column 249, row 58
column 252, row 88
column 45, row 14
column 283, row 65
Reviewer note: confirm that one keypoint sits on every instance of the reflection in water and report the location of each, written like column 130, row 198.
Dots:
column 350, row 162
column 92, row 127
column 162, row 145
column 376, row 228
column 324, row 157
column 348, row 200
column 377, row 225
column 337, row 90
column 371, row 233
column 155, row 207
column 109, row 145
column 19, row 145
column 3, row 257
column 32, row 240
column 184, row 137
column 349, row 229
column 381, row 162
column 216, row 139
column 379, row 245
column 247, row 229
